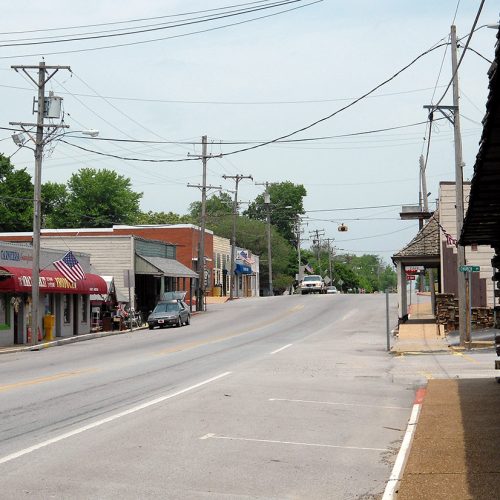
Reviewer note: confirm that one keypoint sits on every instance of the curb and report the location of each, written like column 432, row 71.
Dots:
column 68, row 340
column 391, row 489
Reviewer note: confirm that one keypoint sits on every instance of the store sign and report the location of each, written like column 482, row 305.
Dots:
column 47, row 282
column 14, row 256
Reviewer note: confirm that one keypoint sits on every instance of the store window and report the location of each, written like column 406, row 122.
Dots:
column 85, row 308
column 67, row 308
column 4, row 312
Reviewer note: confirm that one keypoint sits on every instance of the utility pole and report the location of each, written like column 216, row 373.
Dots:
column 45, row 73
column 317, row 233
column 267, row 202
column 237, row 179
column 328, row 240
column 201, row 253
column 426, row 210
column 299, row 239
column 452, row 113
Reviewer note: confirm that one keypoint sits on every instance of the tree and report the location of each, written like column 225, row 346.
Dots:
column 54, row 203
column 282, row 195
column 98, row 198
column 252, row 235
column 16, row 198
column 151, row 217
column 217, row 205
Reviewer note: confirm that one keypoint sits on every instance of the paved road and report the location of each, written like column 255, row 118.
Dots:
column 280, row 397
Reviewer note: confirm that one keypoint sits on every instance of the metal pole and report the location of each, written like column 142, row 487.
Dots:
column 37, row 216
column 387, row 319
column 459, row 191
column 468, row 305
column 129, row 301
column 201, row 256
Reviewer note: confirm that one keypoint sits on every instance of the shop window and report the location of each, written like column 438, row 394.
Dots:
column 67, row 308
column 48, row 302
column 85, row 308
column 4, row 312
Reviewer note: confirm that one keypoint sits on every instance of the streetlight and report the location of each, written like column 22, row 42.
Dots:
column 40, row 141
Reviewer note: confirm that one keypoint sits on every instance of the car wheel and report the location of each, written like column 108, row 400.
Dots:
column 151, row 327
column 179, row 322
column 188, row 320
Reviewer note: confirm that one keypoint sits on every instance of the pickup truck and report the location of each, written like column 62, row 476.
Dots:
column 312, row 284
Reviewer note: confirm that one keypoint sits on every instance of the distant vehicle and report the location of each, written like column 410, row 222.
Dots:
column 312, row 284
column 331, row 289
column 171, row 312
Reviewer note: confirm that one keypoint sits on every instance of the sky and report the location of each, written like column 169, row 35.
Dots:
column 253, row 82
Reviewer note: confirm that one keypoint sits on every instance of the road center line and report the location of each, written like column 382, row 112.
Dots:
column 341, row 404
column 42, row 380
column 281, row 348
column 274, row 441
column 116, row 416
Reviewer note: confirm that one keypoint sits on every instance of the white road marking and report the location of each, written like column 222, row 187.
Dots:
column 348, row 315
column 274, row 441
column 397, row 471
column 116, row 416
column 281, row 348
column 341, row 404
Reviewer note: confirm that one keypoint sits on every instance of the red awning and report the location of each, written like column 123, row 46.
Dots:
column 18, row 279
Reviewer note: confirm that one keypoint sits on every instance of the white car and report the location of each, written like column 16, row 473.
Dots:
column 331, row 289
column 312, row 284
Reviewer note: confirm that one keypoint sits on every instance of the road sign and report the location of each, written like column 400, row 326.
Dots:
column 469, row 269
column 410, row 277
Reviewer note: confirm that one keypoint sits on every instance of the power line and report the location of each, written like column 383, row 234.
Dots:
column 152, row 29
column 112, row 23
column 227, row 103
column 181, row 35
column 331, row 115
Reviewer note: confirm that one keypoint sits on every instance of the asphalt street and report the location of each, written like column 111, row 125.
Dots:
column 281, row 397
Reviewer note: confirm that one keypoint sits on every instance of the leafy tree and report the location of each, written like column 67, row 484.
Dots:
column 282, row 194
column 54, row 203
column 252, row 234
column 16, row 198
column 151, row 217
column 98, row 198
column 217, row 205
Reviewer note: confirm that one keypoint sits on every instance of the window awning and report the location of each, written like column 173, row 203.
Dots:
column 168, row 267
column 242, row 269
column 19, row 279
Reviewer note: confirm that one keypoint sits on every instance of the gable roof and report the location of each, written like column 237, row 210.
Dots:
column 425, row 244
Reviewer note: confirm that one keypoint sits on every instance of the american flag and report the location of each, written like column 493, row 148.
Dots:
column 309, row 268
column 70, row 268
column 450, row 240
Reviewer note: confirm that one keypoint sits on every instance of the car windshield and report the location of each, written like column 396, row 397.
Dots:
column 167, row 307
column 312, row 278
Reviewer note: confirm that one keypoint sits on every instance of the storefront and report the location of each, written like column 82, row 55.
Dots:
column 68, row 303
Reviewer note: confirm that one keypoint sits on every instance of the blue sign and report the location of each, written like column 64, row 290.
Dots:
column 242, row 269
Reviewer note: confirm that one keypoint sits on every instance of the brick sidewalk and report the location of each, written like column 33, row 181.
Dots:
column 456, row 449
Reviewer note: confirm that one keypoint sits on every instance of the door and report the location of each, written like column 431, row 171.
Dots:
column 76, row 319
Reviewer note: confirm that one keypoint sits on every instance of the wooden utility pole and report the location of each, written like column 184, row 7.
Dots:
column 200, row 296
column 267, row 202
column 237, row 179
column 452, row 113
column 43, row 134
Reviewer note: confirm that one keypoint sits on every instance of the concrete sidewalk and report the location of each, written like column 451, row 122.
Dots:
column 455, row 451
column 420, row 334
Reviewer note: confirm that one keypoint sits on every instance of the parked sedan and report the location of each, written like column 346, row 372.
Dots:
column 169, row 313
column 331, row 289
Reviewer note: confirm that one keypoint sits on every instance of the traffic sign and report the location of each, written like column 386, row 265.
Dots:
column 469, row 269
column 410, row 277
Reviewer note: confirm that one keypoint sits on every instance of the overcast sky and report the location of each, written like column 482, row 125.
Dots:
column 256, row 81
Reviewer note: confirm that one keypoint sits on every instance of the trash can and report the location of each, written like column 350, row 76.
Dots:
column 49, row 321
column 217, row 291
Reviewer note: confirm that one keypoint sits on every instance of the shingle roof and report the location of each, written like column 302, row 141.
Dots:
column 425, row 243
column 482, row 222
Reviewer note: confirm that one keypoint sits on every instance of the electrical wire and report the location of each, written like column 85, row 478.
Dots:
column 181, row 35
column 472, row 31
column 113, row 23
column 153, row 29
